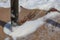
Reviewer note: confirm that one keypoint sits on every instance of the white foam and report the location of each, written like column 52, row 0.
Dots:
column 7, row 38
column 35, row 4
column 6, row 30
column 5, row 4
column 57, row 4
column 31, row 26
column 40, row 4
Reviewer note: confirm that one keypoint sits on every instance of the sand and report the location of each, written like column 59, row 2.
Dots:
column 4, row 16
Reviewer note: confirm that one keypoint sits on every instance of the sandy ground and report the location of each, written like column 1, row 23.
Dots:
column 42, row 33
column 4, row 16
column 25, row 15
column 45, row 32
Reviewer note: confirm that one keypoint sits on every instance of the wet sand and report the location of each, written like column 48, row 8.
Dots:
column 4, row 16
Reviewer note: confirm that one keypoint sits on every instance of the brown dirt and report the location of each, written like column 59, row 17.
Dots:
column 25, row 15
column 42, row 33
column 4, row 16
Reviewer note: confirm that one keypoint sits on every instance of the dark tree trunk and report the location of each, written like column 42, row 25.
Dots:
column 14, row 11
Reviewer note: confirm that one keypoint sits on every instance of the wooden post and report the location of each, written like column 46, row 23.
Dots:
column 14, row 11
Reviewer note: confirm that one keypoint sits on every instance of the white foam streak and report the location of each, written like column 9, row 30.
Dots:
column 31, row 26
column 35, row 4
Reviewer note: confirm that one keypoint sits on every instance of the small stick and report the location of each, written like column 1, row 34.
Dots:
column 53, row 23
